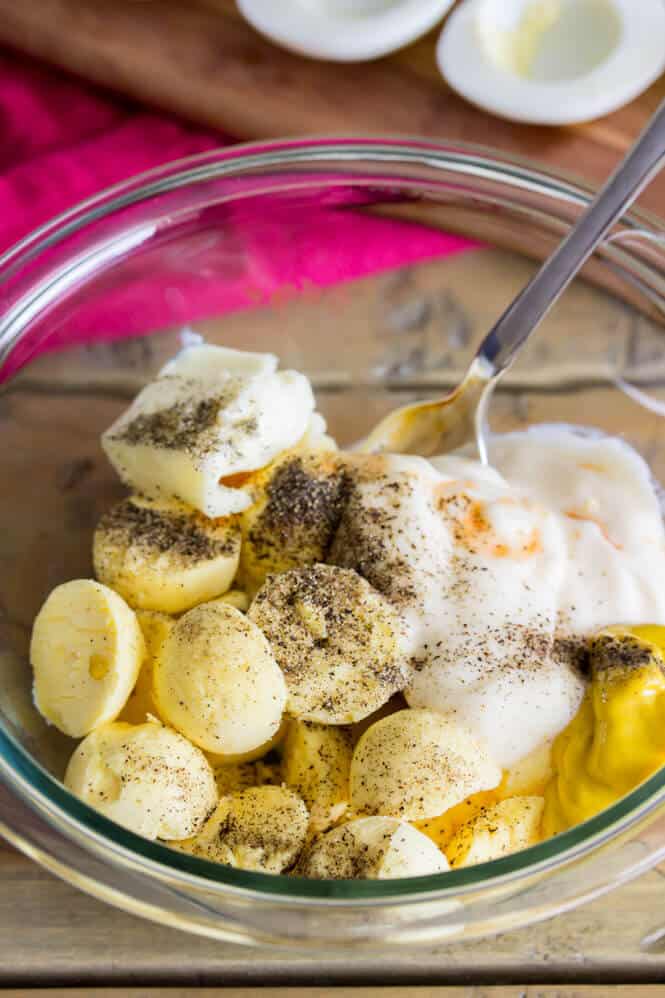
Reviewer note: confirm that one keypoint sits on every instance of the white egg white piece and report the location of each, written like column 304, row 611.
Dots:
column 86, row 652
column 205, row 360
column 216, row 681
column 260, row 828
column 374, row 848
column 552, row 62
column 416, row 764
column 211, row 414
column 343, row 30
column 164, row 556
column 144, row 776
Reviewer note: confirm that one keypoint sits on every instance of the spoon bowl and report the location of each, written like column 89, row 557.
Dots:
column 437, row 426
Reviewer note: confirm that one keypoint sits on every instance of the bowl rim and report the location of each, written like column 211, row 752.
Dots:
column 29, row 780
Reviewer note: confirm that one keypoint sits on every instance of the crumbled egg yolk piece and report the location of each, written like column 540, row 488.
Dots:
column 617, row 738
column 442, row 828
column 514, row 49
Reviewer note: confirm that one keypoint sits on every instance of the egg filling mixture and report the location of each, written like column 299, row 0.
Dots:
column 341, row 665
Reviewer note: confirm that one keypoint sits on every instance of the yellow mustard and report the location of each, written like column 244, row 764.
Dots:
column 617, row 738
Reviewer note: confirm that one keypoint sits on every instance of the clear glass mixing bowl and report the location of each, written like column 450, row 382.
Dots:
column 158, row 257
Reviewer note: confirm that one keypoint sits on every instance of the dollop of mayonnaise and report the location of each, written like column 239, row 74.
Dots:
column 502, row 573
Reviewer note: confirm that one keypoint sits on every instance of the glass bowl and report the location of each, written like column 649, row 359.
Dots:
column 244, row 247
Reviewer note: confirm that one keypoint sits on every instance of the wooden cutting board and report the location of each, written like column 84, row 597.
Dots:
column 199, row 59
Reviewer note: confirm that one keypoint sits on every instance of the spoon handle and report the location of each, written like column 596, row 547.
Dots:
column 643, row 161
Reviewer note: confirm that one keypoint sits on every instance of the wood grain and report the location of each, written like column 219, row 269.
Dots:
column 200, row 60
column 583, row 991
column 53, row 935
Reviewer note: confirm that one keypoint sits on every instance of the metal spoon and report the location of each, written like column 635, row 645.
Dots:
column 445, row 424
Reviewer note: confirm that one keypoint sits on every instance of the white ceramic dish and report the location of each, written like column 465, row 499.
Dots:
column 553, row 62
column 343, row 30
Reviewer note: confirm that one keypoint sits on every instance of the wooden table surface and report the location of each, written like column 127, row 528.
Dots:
column 510, row 991
column 52, row 935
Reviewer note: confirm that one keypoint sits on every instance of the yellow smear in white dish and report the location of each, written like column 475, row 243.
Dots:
column 549, row 40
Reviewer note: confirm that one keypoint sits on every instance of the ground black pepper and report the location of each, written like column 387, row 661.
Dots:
column 189, row 537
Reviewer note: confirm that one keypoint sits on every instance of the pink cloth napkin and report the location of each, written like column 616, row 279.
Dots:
column 62, row 141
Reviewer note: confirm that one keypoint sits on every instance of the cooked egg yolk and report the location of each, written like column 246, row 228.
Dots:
column 442, row 828
column 531, row 782
column 617, row 738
